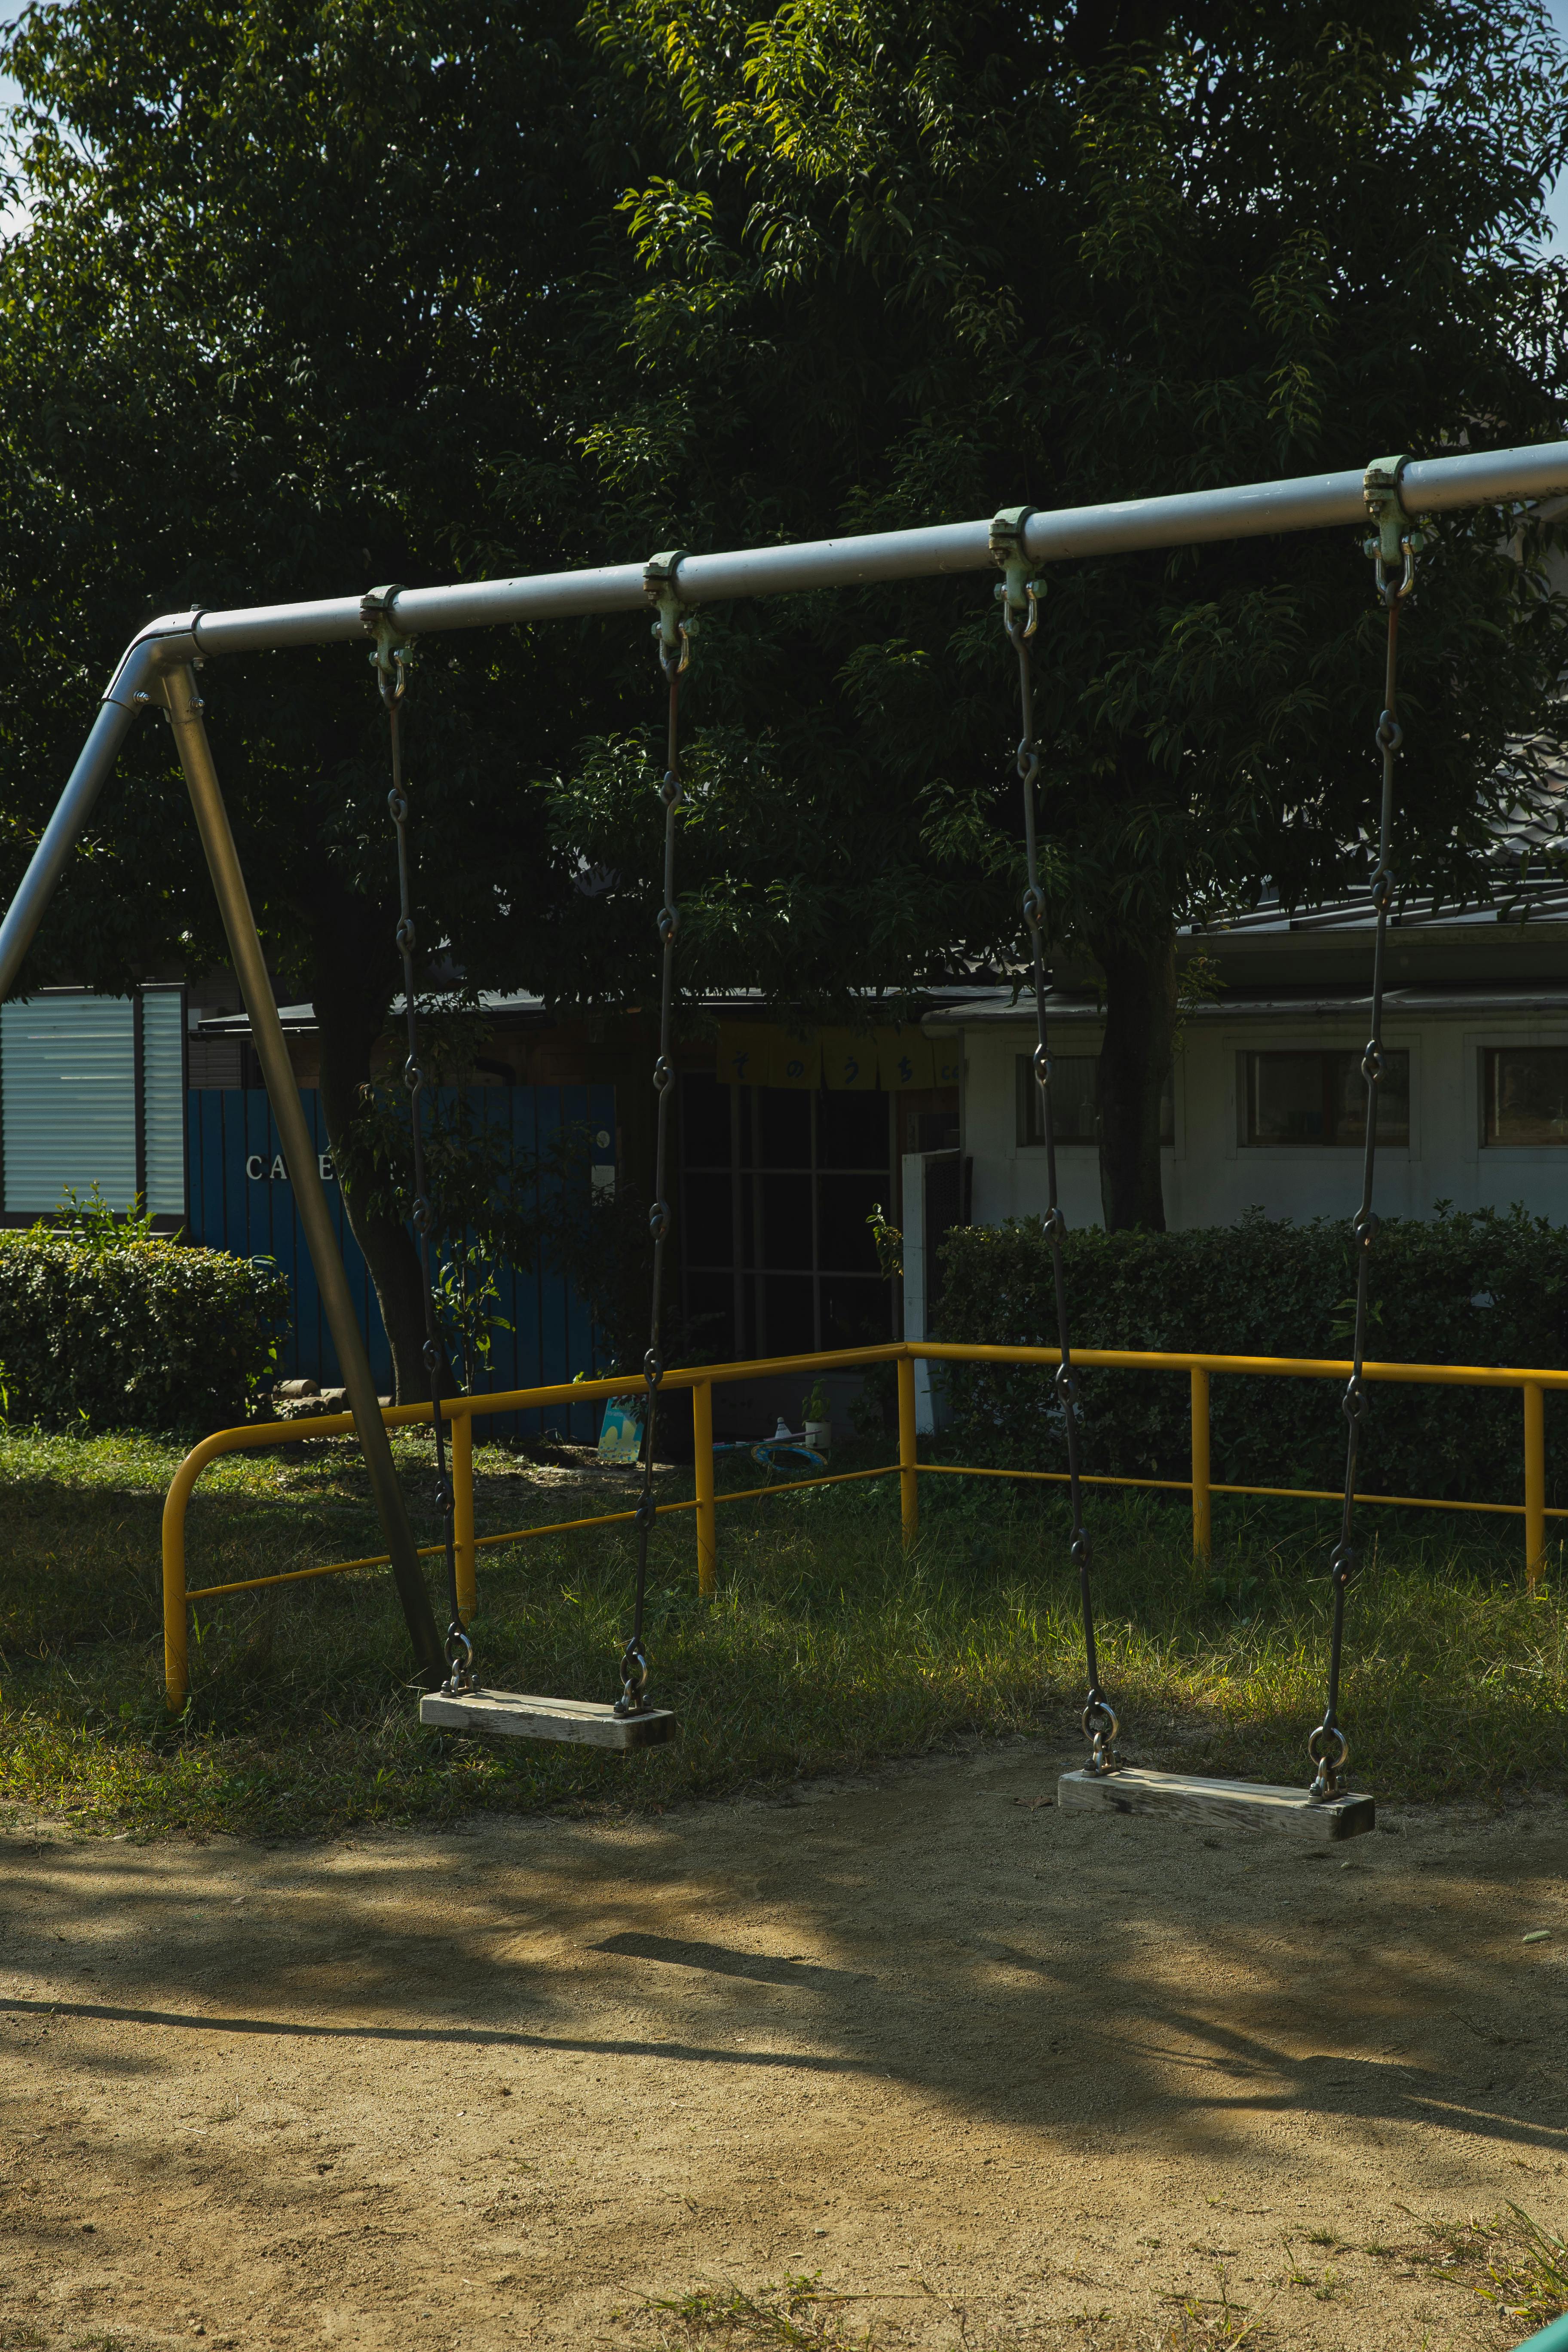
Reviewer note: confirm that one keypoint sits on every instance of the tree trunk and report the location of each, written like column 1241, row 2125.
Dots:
column 354, row 968
column 1134, row 1063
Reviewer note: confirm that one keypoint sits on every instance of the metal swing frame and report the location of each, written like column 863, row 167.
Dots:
column 158, row 668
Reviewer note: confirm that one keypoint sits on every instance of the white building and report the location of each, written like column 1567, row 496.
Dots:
column 1266, row 1105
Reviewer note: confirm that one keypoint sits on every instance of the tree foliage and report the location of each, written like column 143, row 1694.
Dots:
column 910, row 264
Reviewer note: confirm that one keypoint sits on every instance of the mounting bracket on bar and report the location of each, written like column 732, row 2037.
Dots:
column 1016, row 589
column 393, row 644
column 1396, row 545
column 662, row 589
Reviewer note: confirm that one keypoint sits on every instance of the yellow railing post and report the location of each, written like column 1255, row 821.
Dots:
column 909, row 1453
column 176, row 1663
column 1202, row 1519
column 462, row 1427
column 702, row 1462
column 1534, row 1480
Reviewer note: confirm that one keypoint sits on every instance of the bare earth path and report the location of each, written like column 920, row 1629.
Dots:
column 1025, row 2076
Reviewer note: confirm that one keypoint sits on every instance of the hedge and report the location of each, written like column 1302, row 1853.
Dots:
column 1465, row 1287
column 139, row 1333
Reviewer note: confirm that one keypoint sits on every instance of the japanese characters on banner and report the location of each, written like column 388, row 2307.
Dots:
column 758, row 1053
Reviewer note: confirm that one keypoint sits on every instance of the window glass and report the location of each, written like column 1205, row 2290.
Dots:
column 1074, row 1101
column 1526, row 1095
column 1313, row 1100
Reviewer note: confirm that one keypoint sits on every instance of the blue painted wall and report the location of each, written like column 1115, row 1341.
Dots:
column 242, row 1201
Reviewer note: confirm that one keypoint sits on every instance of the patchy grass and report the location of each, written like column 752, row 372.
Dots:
column 826, row 1647
column 800, row 2316
column 1509, row 2261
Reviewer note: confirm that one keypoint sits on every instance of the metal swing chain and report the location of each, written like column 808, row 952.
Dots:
column 1019, row 596
column 1394, row 553
column 673, row 634
column 390, row 662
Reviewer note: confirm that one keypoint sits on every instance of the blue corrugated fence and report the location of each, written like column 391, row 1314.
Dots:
column 241, row 1201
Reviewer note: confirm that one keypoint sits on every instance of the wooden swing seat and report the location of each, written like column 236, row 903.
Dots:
column 520, row 1715
column 1238, row 1804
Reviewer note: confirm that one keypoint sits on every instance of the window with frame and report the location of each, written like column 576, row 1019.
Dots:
column 1296, row 1100
column 776, row 1187
column 1524, row 1096
column 1074, row 1101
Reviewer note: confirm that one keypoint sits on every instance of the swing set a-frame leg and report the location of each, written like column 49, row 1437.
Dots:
column 176, row 688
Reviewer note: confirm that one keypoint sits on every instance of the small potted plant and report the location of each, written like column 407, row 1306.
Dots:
column 814, row 1414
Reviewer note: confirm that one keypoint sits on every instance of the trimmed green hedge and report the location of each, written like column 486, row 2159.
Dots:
column 1473, row 1288
column 142, row 1333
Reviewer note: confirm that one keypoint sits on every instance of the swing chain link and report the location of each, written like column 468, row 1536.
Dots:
column 390, row 660
column 674, row 631
column 1019, row 595
column 1393, row 550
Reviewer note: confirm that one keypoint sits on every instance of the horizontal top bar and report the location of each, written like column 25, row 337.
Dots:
column 952, row 1351
column 1250, row 511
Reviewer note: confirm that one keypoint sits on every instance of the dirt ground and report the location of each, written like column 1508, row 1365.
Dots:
column 1017, row 2077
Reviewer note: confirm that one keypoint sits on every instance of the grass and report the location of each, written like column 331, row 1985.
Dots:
column 1509, row 2260
column 826, row 1648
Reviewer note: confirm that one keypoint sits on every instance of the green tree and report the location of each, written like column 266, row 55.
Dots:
column 911, row 263
column 294, row 314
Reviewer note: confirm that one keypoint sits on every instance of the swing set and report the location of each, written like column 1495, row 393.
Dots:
column 158, row 668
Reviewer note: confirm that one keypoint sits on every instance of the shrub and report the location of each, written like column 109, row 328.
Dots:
column 1471, row 1287
column 113, row 1325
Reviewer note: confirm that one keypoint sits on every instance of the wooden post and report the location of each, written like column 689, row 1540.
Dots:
column 1534, row 1481
column 1203, row 1520
column 462, row 1429
column 703, row 1458
column 909, row 1453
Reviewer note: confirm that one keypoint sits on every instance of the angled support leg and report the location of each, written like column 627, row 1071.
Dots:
column 178, row 691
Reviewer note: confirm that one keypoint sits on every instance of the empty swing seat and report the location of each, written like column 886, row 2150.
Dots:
column 520, row 1715
column 1238, row 1804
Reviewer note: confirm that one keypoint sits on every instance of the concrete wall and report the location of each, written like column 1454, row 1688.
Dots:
column 1210, row 1179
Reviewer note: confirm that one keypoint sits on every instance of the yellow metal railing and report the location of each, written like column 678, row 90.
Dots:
column 461, row 1412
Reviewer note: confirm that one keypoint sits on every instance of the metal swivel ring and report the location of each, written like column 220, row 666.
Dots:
column 412, row 1076
column 1342, row 1563
column 1099, row 1728
column 1034, row 905
column 397, row 806
column 658, row 1220
column 1329, row 1782
column 423, row 1214
column 668, row 925
column 634, row 1679
column 1080, row 1551
column 662, row 1074
column 1055, row 1226
column 405, row 936
column 653, row 1368
column 1390, row 733
column 1065, row 1382
column 1354, row 1401
column 459, row 1660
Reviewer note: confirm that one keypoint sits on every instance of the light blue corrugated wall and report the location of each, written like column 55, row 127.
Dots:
column 69, row 1088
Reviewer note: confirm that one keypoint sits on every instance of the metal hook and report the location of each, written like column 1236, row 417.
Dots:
column 1397, row 546
column 672, row 629
column 393, row 650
